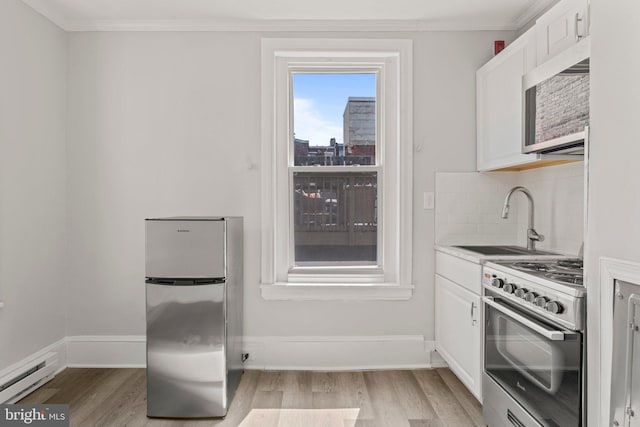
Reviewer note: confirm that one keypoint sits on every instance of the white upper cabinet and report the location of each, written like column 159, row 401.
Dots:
column 499, row 95
column 563, row 25
column 499, row 87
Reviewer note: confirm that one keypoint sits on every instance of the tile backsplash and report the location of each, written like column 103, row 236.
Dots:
column 558, row 192
column 468, row 207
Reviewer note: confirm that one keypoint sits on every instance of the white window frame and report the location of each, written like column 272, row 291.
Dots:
column 393, row 63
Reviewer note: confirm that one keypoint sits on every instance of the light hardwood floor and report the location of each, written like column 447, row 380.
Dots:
column 404, row 398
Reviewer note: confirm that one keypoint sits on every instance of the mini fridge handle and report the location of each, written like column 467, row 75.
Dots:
column 182, row 281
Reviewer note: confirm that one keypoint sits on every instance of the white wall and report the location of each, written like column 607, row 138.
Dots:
column 168, row 123
column 614, row 192
column 33, row 56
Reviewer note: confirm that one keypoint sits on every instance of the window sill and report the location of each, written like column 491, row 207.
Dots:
column 335, row 292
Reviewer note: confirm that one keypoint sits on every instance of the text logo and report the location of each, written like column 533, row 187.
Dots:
column 34, row 415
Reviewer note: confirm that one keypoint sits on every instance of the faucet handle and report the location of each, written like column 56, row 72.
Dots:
column 533, row 235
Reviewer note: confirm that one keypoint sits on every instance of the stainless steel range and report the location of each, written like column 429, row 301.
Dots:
column 534, row 345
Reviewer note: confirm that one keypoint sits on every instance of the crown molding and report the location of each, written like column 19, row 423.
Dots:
column 533, row 11
column 46, row 9
column 282, row 25
column 240, row 25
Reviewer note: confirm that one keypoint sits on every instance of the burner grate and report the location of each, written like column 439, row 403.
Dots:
column 565, row 271
column 531, row 266
column 571, row 264
column 573, row 279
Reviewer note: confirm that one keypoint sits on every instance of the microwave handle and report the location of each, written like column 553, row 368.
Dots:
column 547, row 333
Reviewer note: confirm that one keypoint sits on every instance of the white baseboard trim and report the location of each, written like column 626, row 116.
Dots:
column 338, row 353
column 273, row 353
column 322, row 353
column 106, row 351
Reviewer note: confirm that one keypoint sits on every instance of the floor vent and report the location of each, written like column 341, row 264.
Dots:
column 20, row 382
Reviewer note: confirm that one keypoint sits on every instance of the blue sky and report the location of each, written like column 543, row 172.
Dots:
column 319, row 101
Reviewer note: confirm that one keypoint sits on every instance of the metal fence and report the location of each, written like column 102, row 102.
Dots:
column 338, row 202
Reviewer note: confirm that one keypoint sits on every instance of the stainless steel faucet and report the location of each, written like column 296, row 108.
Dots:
column 532, row 235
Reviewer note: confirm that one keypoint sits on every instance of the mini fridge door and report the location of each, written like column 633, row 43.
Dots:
column 185, row 248
column 186, row 348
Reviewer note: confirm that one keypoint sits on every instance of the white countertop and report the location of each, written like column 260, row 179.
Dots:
column 481, row 259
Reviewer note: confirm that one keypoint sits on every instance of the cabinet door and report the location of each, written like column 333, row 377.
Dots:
column 562, row 26
column 459, row 332
column 460, row 271
column 499, row 95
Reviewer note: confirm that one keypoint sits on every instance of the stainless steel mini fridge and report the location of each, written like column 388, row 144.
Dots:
column 194, row 315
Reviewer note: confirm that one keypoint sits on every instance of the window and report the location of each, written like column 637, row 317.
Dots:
column 334, row 181
column 336, row 150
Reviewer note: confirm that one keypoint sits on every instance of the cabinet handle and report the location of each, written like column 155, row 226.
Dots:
column 473, row 307
column 578, row 20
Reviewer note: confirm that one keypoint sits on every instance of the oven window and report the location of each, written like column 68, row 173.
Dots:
column 534, row 354
column 544, row 376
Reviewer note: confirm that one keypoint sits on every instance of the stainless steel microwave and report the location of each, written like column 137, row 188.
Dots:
column 556, row 103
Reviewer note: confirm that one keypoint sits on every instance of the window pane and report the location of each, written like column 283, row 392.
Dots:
column 335, row 218
column 334, row 119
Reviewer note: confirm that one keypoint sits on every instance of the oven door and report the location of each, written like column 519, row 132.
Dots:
column 538, row 364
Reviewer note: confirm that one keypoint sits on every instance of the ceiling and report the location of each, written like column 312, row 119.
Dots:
column 364, row 15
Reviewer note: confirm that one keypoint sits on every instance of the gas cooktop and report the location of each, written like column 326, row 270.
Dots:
column 564, row 271
column 552, row 288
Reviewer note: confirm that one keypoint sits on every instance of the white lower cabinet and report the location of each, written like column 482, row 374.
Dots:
column 459, row 331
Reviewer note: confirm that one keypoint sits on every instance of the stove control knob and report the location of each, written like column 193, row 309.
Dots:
column 530, row 297
column 554, row 307
column 509, row 288
column 520, row 293
column 541, row 301
column 497, row 282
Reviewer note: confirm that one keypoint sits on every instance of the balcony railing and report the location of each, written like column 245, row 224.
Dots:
column 335, row 208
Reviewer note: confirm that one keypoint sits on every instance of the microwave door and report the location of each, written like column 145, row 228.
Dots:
column 556, row 105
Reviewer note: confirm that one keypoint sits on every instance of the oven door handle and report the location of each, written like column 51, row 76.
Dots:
column 550, row 334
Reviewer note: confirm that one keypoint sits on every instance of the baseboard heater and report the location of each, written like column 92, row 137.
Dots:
column 26, row 378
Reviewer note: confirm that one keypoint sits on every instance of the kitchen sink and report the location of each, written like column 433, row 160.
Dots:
column 503, row 250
